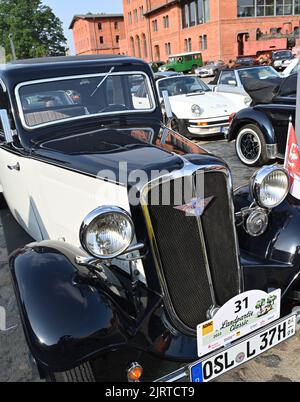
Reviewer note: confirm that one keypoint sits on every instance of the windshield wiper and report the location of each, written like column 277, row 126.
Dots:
column 102, row 81
column 196, row 93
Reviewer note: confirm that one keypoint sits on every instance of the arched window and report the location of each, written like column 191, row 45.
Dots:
column 145, row 48
column 138, row 44
column 132, row 46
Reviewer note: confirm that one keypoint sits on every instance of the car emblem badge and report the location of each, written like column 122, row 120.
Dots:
column 196, row 207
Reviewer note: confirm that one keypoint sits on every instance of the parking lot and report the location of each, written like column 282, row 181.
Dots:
column 280, row 364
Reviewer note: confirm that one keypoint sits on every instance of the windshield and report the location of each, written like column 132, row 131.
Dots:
column 246, row 60
column 258, row 73
column 282, row 55
column 62, row 99
column 182, row 86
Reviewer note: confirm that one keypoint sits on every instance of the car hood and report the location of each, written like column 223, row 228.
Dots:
column 213, row 103
column 118, row 151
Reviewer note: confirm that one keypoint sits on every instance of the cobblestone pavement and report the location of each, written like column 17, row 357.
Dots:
column 279, row 364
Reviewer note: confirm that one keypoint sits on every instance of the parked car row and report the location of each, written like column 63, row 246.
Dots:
column 128, row 272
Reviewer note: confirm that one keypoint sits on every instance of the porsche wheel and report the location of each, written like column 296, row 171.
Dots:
column 251, row 147
column 179, row 127
column 82, row 373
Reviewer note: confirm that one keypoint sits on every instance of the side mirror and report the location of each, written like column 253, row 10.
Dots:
column 232, row 82
column 6, row 126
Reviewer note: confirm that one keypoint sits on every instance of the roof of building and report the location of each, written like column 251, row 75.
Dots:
column 165, row 5
column 93, row 16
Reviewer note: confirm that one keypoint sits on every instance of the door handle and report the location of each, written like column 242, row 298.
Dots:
column 14, row 167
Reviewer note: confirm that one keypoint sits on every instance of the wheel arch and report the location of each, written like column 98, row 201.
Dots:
column 257, row 118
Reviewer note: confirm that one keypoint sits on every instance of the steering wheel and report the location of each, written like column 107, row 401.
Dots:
column 114, row 108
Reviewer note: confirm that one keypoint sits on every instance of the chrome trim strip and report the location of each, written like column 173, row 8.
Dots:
column 3, row 86
column 73, row 77
column 272, row 151
column 188, row 170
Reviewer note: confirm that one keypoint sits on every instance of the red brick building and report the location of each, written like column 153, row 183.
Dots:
column 220, row 29
column 98, row 33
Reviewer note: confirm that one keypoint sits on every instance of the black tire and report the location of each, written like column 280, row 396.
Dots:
column 3, row 204
column 251, row 147
column 82, row 373
column 179, row 127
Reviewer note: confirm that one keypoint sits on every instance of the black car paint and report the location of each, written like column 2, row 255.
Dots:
column 271, row 118
column 70, row 315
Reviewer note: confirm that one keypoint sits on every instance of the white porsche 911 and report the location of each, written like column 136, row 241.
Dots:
column 197, row 110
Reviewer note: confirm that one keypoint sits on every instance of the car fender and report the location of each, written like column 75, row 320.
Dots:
column 252, row 116
column 271, row 260
column 68, row 314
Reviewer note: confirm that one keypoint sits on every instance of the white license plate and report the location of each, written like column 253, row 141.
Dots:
column 227, row 359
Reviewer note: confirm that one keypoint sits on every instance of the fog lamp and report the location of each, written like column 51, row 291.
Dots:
column 134, row 372
column 269, row 186
column 257, row 222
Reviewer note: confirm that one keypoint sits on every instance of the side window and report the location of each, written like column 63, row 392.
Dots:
column 289, row 87
column 227, row 78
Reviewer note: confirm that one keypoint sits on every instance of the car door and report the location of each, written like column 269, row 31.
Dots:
column 282, row 109
column 14, row 178
column 228, row 82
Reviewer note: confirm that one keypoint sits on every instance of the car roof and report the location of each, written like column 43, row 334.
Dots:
column 42, row 68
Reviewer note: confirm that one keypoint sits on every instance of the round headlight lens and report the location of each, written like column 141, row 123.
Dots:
column 196, row 110
column 270, row 186
column 106, row 232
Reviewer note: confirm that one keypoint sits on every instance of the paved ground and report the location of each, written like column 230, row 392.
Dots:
column 280, row 364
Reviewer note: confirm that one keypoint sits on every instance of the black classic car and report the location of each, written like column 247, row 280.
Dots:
column 137, row 237
column 260, row 132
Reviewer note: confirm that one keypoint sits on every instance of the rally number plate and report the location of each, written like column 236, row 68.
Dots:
column 260, row 341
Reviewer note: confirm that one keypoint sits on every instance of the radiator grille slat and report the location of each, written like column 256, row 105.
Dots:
column 182, row 252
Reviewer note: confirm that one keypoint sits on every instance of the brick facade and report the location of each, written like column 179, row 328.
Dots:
column 154, row 28
column 98, row 33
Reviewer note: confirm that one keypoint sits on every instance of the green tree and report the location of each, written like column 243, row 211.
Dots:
column 36, row 31
column 260, row 304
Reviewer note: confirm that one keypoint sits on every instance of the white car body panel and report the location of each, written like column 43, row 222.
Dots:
column 214, row 105
column 53, row 204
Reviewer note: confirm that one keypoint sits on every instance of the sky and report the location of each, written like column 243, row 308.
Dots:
column 65, row 9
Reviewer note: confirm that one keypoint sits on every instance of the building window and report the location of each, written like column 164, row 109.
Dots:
column 166, row 21
column 116, row 25
column 194, row 12
column 267, row 8
column 130, row 18
column 203, row 43
column 101, row 39
column 168, row 48
column 135, row 13
column 132, row 46
column 188, row 45
column 117, row 39
column 156, row 53
column 144, row 40
column 155, row 25
column 138, row 45
column 142, row 12
column 100, row 26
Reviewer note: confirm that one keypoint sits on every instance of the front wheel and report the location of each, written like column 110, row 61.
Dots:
column 179, row 127
column 251, row 146
column 82, row 373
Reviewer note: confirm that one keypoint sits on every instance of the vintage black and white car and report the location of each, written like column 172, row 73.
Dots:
column 132, row 275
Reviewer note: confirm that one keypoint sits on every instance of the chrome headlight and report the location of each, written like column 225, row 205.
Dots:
column 106, row 232
column 269, row 186
column 196, row 110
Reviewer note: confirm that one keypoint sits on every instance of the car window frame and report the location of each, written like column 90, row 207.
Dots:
column 91, row 116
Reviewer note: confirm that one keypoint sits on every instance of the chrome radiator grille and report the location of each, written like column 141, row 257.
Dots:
column 197, row 257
